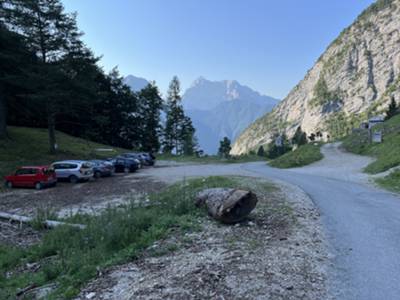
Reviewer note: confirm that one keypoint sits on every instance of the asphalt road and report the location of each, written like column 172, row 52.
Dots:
column 362, row 223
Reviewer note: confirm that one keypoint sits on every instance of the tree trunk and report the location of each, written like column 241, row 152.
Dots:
column 51, row 124
column 3, row 114
column 227, row 205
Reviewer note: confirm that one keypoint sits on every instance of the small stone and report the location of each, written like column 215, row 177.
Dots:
column 90, row 295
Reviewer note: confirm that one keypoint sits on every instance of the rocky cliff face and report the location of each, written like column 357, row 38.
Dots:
column 355, row 78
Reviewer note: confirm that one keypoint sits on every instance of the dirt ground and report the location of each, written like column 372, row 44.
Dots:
column 278, row 253
column 67, row 199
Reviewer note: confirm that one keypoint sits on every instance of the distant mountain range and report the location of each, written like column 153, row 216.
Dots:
column 218, row 108
column 223, row 108
column 135, row 83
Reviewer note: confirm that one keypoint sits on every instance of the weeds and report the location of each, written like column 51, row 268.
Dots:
column 116, row 236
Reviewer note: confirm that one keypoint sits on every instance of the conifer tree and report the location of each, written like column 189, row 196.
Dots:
column 224, row 147
column 175, row 117
column 150, row 108
column 51, row 34
column 261, row 151
column 392, row 110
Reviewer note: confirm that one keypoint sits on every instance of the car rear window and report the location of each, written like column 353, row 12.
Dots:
column 26, row 171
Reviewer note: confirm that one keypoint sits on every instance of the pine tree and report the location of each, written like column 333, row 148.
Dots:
column 261, row 151
column 175, row 118
column 51, row 34
column 150, row 108
column 300, row 137
column 15, row 62
column 392, row 110
column 187, row 137
column 224, row 147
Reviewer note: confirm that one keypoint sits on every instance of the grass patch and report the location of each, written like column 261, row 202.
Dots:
column 211, row 158
column 387, row 153
column 29, row 146
column 71, row 257
column 390, row 182
column 302, row 156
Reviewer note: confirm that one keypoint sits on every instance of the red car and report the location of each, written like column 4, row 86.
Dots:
column 37, row 177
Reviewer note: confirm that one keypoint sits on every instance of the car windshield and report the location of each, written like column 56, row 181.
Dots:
column 86, row 165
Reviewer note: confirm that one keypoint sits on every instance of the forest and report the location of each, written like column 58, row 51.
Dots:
column 49, row 78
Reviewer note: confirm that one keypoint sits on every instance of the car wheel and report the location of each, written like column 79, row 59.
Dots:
column 73, row 179
column 38, row 186
column 126, row 170
column 9, row 184
column 97, row 174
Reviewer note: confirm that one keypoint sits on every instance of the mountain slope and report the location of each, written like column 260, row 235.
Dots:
column 352, row 80
column 135, row 83
column 222, row 108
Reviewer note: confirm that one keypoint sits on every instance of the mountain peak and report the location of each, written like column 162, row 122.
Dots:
column 205, row 94
column 135, row 83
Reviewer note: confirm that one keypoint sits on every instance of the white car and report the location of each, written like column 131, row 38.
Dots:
column 73, row 170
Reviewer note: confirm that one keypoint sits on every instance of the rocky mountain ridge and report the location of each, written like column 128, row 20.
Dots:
column 354, row 79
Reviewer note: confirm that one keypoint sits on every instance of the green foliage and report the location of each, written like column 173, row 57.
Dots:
column 392, row 109
column 303, row 155
column 261, row 151
column 339, row 124
column 150, row 109
column 179, row 133
column 300, row 137
column 391, row 181
column 71, row 257
column 15, row 151
column 322, row 95
column 224, row 147
column 387, row 153
column 278, row 149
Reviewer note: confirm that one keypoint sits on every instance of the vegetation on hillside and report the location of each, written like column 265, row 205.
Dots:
column 387, row 153
column 303, row 155
column 29, row 146
column 50, row 78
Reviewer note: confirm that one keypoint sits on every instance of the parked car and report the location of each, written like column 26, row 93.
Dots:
column 136, row 157
column 149, row 157
column 144, row 158
column 32, row 176
column 102, row 168
column 125, row 165
column 73, row 170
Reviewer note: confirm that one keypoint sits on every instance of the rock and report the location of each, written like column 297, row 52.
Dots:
column 361, row 70
column 91, row 295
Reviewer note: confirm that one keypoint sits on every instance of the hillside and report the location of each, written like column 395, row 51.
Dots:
column 223, row 108
column 353, row 79
column 28, row 146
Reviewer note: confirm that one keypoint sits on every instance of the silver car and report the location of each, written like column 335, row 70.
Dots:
column 73, row 170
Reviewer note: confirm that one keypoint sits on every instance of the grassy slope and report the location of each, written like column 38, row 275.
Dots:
column 29, row 146
column 71, row 257
column 302, row 156
column 387, row 153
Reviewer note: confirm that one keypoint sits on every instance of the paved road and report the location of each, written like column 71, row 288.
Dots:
column 362, row 222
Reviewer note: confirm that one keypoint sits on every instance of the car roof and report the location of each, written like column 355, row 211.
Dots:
column 70, row 161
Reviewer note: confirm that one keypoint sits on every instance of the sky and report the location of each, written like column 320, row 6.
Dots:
column 267, row 45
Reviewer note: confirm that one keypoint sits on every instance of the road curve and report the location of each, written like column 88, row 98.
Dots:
column 362, row 222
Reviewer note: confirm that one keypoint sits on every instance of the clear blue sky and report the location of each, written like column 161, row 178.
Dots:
column 265, row 44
